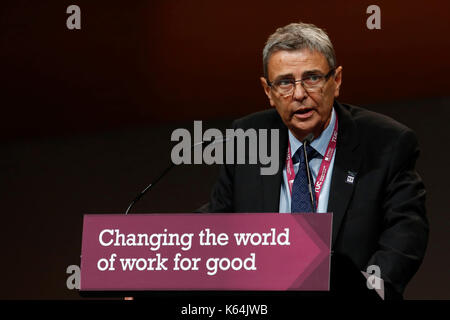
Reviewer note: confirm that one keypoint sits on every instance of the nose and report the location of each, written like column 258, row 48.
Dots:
column 299, row 92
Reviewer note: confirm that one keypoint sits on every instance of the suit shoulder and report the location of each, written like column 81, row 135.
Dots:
column 374, row 123
column 376, row 131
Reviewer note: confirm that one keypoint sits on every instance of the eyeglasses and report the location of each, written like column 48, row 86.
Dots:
column 311, row 83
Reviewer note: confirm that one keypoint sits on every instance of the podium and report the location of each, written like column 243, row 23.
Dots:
column 212, row 256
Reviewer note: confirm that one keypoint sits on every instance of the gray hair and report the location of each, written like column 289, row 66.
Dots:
column 298, row 36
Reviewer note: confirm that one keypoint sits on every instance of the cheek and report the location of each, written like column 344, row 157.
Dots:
column 284, row 113
column 280, row 106
column 326, row 101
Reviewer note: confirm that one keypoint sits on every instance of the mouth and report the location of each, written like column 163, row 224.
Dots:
column 303, row 113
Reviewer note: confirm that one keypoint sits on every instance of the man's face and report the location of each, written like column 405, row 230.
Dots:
column 302, row 112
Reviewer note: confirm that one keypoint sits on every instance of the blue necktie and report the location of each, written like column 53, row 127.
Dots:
column 301, row 200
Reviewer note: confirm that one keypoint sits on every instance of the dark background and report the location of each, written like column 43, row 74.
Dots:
column 86, row 115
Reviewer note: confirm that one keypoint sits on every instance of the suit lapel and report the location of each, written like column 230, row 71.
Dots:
column 345, row 171
column 271, row 184
column 347, row 162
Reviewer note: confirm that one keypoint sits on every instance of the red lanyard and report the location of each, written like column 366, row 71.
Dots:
column 324, row 166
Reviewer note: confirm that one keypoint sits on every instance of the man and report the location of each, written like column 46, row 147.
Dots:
column 371, row 186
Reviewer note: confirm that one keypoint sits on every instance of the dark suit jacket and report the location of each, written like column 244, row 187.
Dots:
column 378, row 220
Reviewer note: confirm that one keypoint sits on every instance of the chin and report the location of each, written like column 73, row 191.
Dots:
column 301, row 131
column 306, row 126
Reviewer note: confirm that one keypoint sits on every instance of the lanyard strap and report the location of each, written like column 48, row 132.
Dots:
column 324, row 166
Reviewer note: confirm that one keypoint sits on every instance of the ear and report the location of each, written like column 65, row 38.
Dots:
column 267, row 90
column 337, row 81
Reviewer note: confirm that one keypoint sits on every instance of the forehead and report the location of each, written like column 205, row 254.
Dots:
column 296, row 62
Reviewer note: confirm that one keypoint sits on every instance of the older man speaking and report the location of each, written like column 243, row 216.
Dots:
column 360, row 164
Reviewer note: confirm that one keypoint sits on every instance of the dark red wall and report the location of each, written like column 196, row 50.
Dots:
column 86, row 116
column 144, row 62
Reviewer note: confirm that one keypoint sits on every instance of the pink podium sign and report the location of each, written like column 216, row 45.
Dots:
column 252, row 251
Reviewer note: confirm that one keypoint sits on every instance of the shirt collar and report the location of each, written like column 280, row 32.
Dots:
column 320, row 144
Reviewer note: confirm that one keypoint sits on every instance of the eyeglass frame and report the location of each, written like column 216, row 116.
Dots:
column 326, row 77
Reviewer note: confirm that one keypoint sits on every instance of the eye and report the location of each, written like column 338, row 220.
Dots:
column 283, row 82
column 313, row 79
